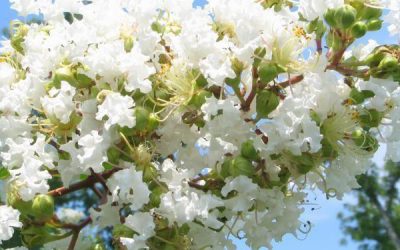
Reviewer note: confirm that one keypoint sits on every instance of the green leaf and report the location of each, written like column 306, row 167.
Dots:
column 4, row 173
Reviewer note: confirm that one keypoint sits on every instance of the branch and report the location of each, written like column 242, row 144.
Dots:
column 76, row 230
column 290, row 81
column 89, row 182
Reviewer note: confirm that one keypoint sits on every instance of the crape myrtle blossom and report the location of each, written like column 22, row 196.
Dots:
column 185, row 127
column 9, row 219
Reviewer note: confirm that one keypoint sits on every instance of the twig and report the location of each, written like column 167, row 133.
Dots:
column 89, row 182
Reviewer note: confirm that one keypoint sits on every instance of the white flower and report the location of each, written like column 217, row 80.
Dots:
column 9, row 219
column 118, row 109
column 69, row 215
column 312, row 9
column 142, row 223
column 127, row 186
column 60, row 102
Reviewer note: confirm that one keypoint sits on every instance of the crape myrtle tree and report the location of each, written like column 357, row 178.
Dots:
column 155, row 124
column 374, row 220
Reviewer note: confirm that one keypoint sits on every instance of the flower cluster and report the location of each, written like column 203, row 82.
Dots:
column 192, row 125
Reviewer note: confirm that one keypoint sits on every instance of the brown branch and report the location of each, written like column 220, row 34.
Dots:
column 319, row 46
column 291, row 81
column 76, row 230
column 89, row 182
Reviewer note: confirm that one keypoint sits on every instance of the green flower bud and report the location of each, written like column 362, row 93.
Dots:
column 128, row 43
column 248, row 151
column 267, row 72
column 43, row 207
column 155, row 196
column 388, row 63
column 374, row 25
column 345, row 16
column 359, row 29
column 374, row 59
column 266, row 102
column 241, row 166
column 225, row 168
column 329, row 17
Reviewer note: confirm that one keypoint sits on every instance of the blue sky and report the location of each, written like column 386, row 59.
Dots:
column 325, row 233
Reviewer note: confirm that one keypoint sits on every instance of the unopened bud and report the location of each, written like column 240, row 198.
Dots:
column 359, row 29
column 43, row 207
column 374, row 25
column 241, row 166
column 345, row 16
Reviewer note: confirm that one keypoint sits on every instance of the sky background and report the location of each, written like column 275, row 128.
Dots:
column 325, row 232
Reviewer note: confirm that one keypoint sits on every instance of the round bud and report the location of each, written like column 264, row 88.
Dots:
column 388, row 63
column 128, row 43
column 374, row 59
column 374, row 25
column 248, row 151
column 359, row 29
column 345, row 16
column 266, row 102
column 241, row 166
column 329, row 17
column 267, row 72
column 43, row 207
